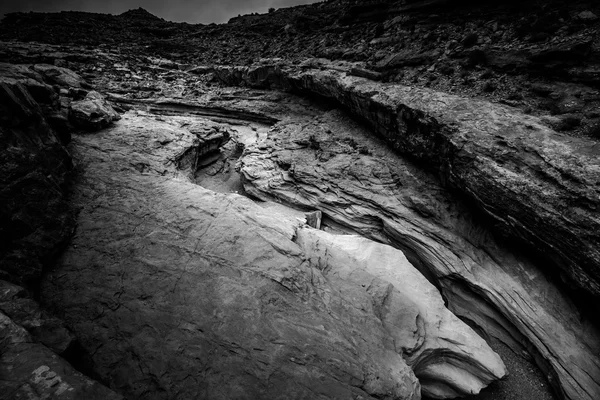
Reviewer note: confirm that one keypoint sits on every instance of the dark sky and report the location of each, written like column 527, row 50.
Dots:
column 193, row 11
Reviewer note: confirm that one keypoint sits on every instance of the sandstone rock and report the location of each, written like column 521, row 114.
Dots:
column 449, row 359
column 31, row 371
column 472, row 152
column 193, row 295
column 242, row 309
column 92, row 113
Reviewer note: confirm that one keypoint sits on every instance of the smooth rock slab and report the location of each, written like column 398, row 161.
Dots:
column 449, row 359
column 176, row 291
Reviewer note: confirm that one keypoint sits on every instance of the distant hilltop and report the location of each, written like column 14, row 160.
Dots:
column 140, row 13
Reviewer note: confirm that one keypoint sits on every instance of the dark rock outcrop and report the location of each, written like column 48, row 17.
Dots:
column 35, row 219
column 37, row 104
column 30, row 370
column 36, row 222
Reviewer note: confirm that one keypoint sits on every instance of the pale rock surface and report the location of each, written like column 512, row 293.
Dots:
column 177, row 291
column 449, row 359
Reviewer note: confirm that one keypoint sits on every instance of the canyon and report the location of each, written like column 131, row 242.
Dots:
column 290, row 227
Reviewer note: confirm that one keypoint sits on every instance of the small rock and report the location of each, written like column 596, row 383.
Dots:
column 92, row 113
column 470, row 40
column 587, row 16
column 569, row 104
column 313, row 219
column 592, row 128
column 488, row 87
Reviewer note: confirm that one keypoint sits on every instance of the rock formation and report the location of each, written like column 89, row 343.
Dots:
column 401, row 218
column 410, row 309
column 539, row 186
column 92, row 113
column 35, row 218
column 175, row 275
column 315, row 167
column 36, row 221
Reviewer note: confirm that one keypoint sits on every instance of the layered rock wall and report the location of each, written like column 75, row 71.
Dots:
column 540, row 187
column 474, row 147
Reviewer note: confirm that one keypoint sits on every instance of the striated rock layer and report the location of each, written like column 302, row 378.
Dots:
column 539, row 186
column 332, row 165
column 177, row 291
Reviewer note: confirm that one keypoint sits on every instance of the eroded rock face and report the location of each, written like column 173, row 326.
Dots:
column 37, row 104
column 333, row 165
column 179, row 291
column 539, row 186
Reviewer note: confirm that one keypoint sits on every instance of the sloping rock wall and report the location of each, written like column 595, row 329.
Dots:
column 540, row 187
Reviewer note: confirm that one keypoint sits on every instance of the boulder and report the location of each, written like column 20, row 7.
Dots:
column 92, row 113
column 60, row 76
column 587, row 16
